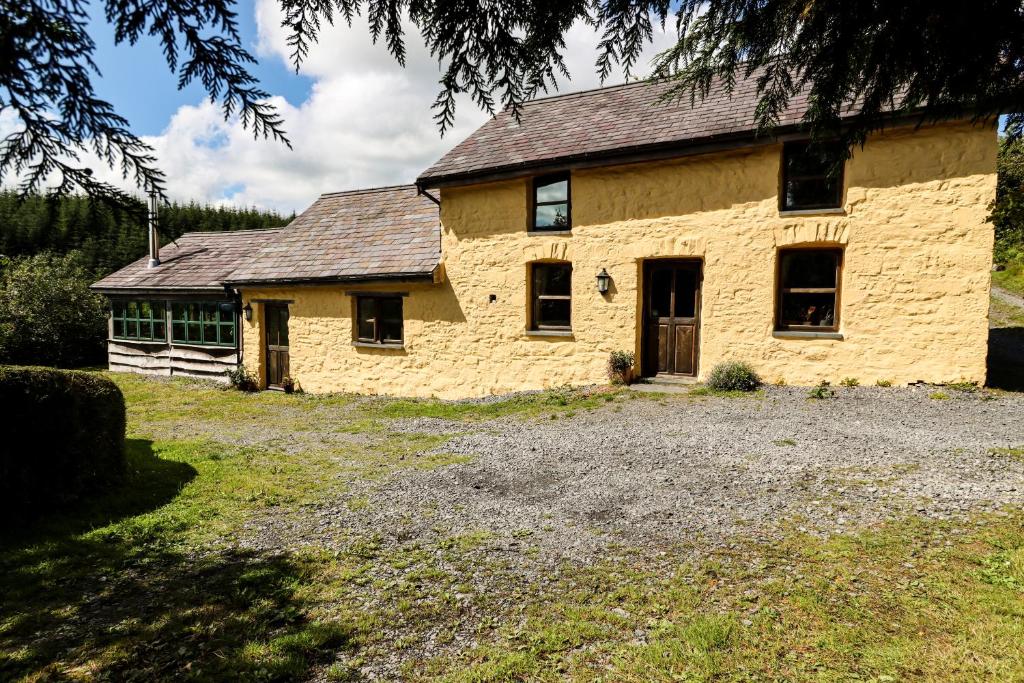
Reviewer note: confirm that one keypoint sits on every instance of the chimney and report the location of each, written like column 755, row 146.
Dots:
column 154, row 235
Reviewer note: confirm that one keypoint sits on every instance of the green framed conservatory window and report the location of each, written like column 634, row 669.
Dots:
column 140, row 320
column 205, row 323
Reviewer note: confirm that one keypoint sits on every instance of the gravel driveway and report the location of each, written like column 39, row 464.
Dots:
column 694, row 471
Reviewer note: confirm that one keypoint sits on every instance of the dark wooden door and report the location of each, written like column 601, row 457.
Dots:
column 276, row 324
column 672, row 311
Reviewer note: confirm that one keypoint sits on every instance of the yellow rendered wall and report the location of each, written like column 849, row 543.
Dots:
column 915, row 286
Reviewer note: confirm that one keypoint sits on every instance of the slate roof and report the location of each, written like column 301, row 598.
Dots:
column 379, row 233
column 198, row 261
column 602, row 123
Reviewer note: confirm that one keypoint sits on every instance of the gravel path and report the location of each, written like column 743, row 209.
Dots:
column 694, row 471
column 1007, row 296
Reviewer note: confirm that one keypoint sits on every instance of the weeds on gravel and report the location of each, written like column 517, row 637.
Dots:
column 885, row 383
column 939, row 396
column 849, row 382
column 1016, row 453
column 561, row 399
column 821, row 392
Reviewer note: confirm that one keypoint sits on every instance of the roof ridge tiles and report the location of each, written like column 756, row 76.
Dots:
column 367, row 190
column 247, row 231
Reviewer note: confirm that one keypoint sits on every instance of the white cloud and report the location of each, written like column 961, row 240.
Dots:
column 366, row 122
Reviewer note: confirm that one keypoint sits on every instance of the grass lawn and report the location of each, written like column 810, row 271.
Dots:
column 159, row 580
column 1011, row 279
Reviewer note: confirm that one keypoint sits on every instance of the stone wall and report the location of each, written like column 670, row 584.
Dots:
column 915, row 286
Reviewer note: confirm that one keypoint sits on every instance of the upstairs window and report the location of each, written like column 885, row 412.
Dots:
column 551, row 206
column 379, row 320
column 812, row 176
column 808, row 294
column 203, row 323
column 140, row 320
column 551, row 294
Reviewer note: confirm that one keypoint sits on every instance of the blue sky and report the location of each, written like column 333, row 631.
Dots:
column 138, row 82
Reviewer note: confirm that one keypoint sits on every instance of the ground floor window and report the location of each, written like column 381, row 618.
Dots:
column 808, row 289
column 141, row 320
column 205, row 323
column 379, row 319
column 551, row 295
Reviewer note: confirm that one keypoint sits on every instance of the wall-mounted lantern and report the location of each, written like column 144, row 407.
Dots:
column 247, row 312
column 603, row 280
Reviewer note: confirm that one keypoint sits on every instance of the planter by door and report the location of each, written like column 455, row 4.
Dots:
column 276, row 335
column 671, row 317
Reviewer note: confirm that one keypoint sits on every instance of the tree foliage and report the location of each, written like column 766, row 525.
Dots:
column 1008, row 208
column 927, row 58
column 106, row 236
column 48, row 314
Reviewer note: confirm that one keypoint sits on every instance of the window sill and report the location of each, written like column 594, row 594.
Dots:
column 834, row 211
column 225, row 347
column 371, row 345
column 150, row 342
column 549, row 232
column 548, row 333
column 806, row 334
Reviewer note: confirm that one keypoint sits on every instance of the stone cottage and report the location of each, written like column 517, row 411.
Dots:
column 611, row 220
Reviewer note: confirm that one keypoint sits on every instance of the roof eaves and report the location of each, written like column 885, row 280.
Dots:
column 378, row 277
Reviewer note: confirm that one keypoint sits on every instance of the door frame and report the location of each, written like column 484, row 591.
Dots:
column 649, row 366
column 266, row 340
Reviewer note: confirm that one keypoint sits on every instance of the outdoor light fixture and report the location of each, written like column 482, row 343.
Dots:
column 603, row 280
column 247, row 311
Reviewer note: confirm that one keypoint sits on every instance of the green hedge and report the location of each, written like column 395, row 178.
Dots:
column 64, row 438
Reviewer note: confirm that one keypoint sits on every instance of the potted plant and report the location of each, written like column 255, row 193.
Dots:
column 288, row 384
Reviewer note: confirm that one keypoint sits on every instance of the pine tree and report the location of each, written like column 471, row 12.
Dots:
column 107, row 237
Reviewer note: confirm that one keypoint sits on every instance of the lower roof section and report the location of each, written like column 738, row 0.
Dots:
column 195, row 262
column 363, row 235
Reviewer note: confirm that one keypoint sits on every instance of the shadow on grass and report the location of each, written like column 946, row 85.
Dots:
column 103, row 591
column 1006, row 358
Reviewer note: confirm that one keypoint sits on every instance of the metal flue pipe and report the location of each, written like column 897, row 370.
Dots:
column 154, row 235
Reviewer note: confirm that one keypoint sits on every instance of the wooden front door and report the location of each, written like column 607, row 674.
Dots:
column 672, row 317
column 276, row 325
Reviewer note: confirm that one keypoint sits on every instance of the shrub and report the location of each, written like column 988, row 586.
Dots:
column 70, row 428
column 733, row 376
column 620, row 365
column 48, row 314
column 884, row 383
column 850, row 382
column 240, row 378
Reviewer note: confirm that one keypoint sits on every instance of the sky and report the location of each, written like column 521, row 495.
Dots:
column 354, row 116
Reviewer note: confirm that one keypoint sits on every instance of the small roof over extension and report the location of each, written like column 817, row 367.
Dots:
column 605, row 125
column 197, row 261
column 376, row 234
